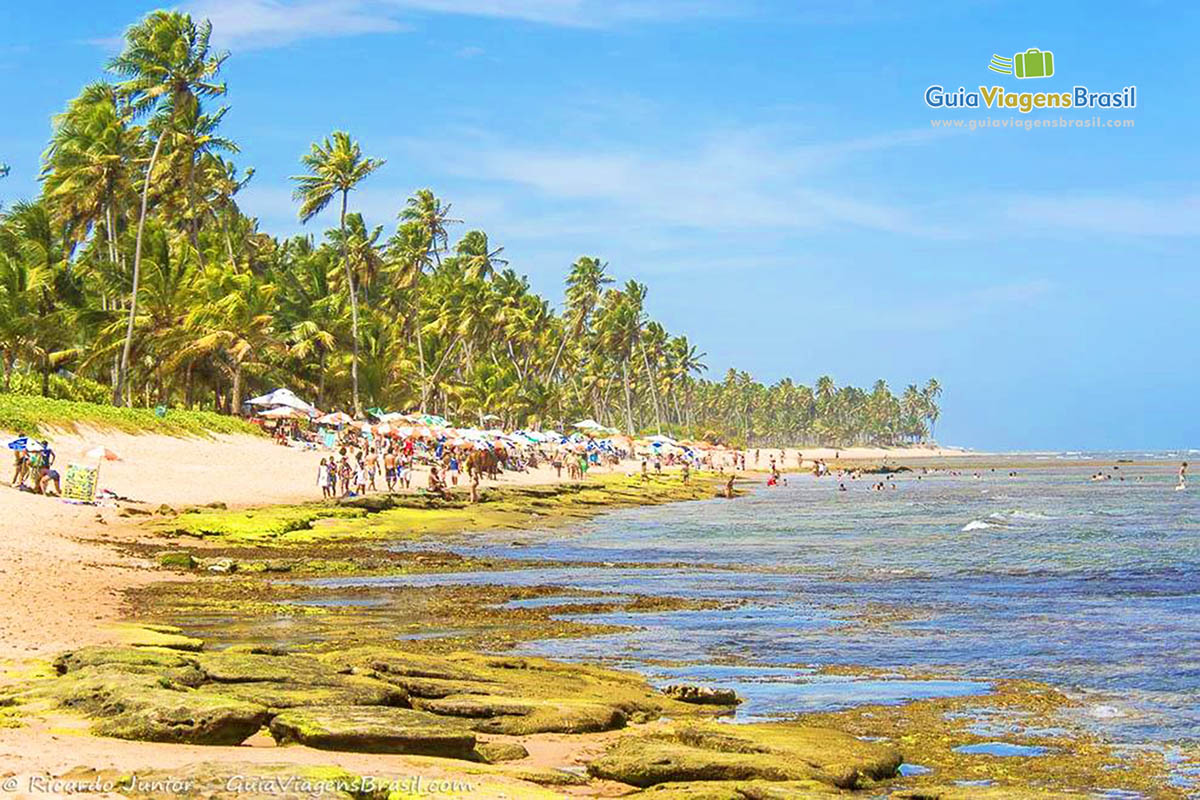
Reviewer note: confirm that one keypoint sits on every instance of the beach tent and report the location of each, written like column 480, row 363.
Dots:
column 336, row 418
column 282, row 397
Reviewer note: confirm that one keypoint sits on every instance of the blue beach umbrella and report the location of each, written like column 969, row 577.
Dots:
column 19, row 444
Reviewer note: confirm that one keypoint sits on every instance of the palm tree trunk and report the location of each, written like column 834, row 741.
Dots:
column 228, row 241
column 557, row 355
column 353, row 308
column 653, row 389
column 123, row 372
column 420, row 351
column 236, row 401
column 321, row 381
column 628, row 399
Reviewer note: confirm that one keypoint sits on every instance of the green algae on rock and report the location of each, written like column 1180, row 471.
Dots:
column 408, row 515
column 351, row 691
column 186, row 716
column 521, row 716
column 177, row 559
column 740, row 790
column 147, row 635
column 374, row 729
column 770, row 751
column 497, row 752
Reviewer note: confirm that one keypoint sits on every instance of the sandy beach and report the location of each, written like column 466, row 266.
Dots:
column 62, row 566
column 65, row 568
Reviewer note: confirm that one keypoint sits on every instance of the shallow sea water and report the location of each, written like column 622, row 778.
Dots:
column 1091, row 587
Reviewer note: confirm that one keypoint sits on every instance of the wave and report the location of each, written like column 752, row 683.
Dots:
column 978, row 525
column 1017, row 513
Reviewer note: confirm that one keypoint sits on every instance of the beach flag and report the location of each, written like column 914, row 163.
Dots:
column 21, row 443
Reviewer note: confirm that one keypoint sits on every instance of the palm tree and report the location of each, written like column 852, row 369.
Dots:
column 87, row 180
column 168, row 67
column 585, row 283
column 425, row 208
column 479, row 259
column 931, row 393
column 336, row 166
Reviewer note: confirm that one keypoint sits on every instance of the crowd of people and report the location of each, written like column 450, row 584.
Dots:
column 33, row 467
column 362, row 463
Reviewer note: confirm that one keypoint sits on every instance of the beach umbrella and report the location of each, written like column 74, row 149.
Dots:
column 659, row 438
column 21, row 443
column 282, row 397
column 588, row 425
column 336, row 418
column 101, row 453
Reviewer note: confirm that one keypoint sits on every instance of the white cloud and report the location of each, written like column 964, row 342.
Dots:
column 727, row 190
column 731, row 182
column 585, row 13
column 271, row 23
column 1111, row 214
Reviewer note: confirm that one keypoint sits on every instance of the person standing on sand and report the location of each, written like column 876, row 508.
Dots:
column 372, row 464
column 1182, row 476
column 323, row 479
column 686, row 471
column 389, row 468
column 20, row 461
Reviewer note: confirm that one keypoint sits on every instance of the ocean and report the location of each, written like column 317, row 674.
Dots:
column 937, row 586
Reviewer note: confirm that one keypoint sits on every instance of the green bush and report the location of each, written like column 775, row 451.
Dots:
column 61, row 388
column 30, row 414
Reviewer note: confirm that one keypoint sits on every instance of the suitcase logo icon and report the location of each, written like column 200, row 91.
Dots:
column 1033, row 63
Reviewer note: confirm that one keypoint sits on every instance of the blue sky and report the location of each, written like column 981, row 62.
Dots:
column 768, row 168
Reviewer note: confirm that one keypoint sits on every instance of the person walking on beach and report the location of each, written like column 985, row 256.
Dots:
column 1182, row 476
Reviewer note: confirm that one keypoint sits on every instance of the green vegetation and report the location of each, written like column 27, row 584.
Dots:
column 136, row 269
column 412, row 516
column 33, row 414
